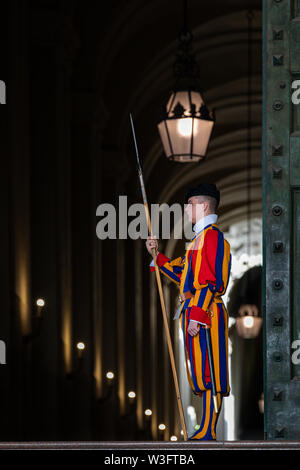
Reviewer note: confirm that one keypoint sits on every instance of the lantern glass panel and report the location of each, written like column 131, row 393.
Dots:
column 181, row 141
column 164, row 138
column 201, row 136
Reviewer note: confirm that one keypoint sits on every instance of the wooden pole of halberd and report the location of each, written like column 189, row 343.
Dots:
column 167, row 330
column 160, row 290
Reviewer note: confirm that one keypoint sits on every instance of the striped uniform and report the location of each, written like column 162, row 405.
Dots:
column 205, row 271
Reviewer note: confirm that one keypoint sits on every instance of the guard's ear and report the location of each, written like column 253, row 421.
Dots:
column 207, row 204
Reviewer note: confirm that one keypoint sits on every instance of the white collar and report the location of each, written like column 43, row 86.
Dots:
column 206, row 220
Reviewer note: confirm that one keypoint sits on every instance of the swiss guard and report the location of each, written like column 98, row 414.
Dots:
column 202, row 275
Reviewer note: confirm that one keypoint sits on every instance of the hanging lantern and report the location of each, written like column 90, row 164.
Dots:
column 185, row 124
column 248, row 323
column 186, row 127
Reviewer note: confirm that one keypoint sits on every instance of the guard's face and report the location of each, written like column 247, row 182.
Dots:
column 195, row 209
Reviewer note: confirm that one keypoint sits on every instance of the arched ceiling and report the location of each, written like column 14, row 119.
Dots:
column 136, row 76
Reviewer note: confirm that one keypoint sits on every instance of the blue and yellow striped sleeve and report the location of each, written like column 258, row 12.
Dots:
column 171, row 269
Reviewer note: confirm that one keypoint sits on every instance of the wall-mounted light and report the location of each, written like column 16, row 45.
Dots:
column 261, row 403
column 162, row 427
column 40, row 303
column 110, row 376
column 248, row 323
column 186, row 127
column 131, row 396
column 37, row 318
column 80, row 347
column 148, row 412
column 173, row 438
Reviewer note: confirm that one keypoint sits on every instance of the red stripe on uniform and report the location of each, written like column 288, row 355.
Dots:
column 207, row 269
column 206, row 369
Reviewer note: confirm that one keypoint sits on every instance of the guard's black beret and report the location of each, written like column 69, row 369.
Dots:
column 203, row 189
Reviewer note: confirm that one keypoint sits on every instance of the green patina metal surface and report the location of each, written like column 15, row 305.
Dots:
column 281, row 217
